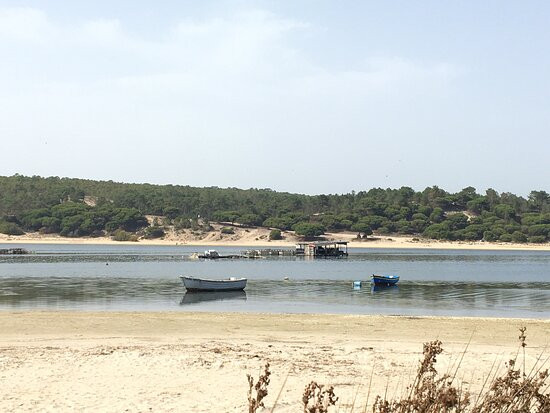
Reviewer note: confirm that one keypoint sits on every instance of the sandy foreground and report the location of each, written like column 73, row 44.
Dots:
column 197, row 362
column 258, row 238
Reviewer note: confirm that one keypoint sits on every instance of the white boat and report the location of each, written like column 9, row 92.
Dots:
column 203, row 284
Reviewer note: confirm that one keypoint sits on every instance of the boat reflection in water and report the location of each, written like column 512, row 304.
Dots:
column 195, row 297
column 384, row 288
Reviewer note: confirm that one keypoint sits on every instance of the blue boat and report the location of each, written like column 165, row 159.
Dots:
column 386, row 280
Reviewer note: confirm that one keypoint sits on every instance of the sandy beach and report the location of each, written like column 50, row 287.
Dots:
column 258, row 237
column 197, row 362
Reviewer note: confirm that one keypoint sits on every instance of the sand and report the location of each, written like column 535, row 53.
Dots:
column 197, row 362
column 259, row 238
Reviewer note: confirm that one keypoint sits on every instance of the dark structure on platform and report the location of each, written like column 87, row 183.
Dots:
column 322, row 248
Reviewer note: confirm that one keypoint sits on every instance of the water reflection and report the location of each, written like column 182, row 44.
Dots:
column 202, row 296
column 384, row 288
column 323, row 296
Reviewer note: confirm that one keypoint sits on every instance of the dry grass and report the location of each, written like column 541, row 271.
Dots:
column 318, row 399
column 515, row 391
column 260, row 388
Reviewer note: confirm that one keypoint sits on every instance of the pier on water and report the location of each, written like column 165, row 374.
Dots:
column 13, row 251
column 322, row 248
column 304, row 249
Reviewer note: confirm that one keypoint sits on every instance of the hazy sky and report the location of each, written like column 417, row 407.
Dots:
column 302, row 96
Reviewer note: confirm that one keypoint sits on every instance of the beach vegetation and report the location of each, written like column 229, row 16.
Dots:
column 56, row 205
column 181, row 223
column 516, row 390
column 275, row 234
column 250, row 220
column 362, row 228
column 257, row 391
column 121, row 235
column 227, row 230
column 505, row 238
column 438, row 231
column 154, row 232
column 519, row 237
column 537, row 239
column 309, row 230
column 10, row 228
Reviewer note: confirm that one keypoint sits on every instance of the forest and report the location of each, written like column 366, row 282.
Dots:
column 79, row 207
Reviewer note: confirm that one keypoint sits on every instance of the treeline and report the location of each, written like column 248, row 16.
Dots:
column 57, row 205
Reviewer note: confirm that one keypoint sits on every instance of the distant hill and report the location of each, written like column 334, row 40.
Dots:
column 80, row 207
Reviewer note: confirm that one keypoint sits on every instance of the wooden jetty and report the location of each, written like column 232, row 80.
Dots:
column 260, row 253
column 13, row 251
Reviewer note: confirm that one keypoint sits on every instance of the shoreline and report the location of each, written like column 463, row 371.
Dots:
column 166, row 361
column 380, row 243
column 208, row 313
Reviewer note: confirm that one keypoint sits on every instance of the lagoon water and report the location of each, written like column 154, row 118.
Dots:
column 146, row 278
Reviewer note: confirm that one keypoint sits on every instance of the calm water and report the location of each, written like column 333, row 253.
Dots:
column 135, row 277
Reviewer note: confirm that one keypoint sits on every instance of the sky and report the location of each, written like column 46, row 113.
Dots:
column 304, row 96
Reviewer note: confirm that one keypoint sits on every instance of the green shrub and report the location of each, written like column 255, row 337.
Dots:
column 182, row 223
column 284, row 223
column 437, row 231
column 250, row 220
column 309, row 230
column 275, row 234
column 10, row 228
column 519, row 237
column 362, row 228
column 154, row 232
column 537, row 239
column 490, row 236
column 384, row 230
column 227, row 230
column 540, row 229
column 505, row 238
column 121, row 235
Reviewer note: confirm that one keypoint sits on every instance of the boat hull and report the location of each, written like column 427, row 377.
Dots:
column 201, row 284
column 386, row 280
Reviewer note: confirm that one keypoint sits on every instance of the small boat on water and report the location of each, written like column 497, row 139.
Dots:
column 205, row 284
column 386, row 280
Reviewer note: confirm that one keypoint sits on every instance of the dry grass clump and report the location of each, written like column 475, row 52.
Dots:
column 428, row 393
column 317, row 399
column 515, row 391
column 260, row 388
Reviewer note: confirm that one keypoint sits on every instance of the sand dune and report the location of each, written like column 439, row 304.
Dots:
column 259, row 237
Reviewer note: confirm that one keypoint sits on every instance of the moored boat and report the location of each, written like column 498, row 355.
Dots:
column 204, row 284
column 385, row 279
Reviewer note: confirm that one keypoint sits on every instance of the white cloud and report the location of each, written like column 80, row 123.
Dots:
column 25, row 24
column 104, row 31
